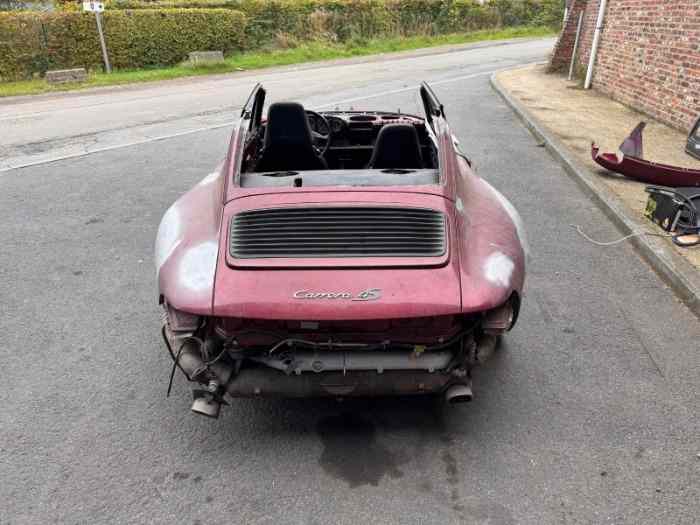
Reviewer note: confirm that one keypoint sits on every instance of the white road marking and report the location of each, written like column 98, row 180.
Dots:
column 114, row 146
column 410, row 88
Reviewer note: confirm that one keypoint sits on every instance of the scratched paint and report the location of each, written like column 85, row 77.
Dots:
column 498, row 269
column 515, row 217
column 197, row 266
column 169, row 236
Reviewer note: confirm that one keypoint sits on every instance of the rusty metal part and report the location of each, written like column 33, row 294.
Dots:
column 186, row 351
column 631, row 165
column 299, row 361
column 266, row 382
column 223, row 376
column 485, row 348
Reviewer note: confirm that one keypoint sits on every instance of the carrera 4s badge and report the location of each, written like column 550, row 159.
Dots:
column 371, row 294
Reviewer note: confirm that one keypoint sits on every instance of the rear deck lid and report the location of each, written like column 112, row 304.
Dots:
column 318, row 256
column 305, row 231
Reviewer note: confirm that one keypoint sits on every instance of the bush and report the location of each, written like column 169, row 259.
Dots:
column 343, row 19
column 142, row 33
column 551, row 14
column 32, row 43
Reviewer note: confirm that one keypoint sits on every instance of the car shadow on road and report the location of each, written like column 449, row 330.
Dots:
column 366, row 440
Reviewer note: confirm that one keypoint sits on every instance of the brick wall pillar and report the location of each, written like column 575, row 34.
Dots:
column 561, row 56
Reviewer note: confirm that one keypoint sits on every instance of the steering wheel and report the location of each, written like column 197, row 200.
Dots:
column 321, row 141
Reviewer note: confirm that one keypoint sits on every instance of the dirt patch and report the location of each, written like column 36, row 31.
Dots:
column 579, row 117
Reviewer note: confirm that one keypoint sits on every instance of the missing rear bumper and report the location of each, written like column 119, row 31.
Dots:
column 266, row 382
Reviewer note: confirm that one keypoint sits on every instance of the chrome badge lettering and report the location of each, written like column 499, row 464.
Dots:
column 371, row 294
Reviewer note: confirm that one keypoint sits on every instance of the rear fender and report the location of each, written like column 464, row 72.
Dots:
column 187, row 246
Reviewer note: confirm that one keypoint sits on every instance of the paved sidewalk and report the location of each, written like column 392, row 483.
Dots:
column 574, row 118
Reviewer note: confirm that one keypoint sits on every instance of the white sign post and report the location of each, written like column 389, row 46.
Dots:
column 97, row 8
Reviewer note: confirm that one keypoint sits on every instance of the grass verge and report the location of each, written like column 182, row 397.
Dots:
column 306, row 52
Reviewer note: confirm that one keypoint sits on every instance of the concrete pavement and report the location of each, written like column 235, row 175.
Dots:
column 40, row 129
column 588, row 414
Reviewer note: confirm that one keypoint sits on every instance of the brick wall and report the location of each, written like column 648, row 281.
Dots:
column 561, row 57
column 649, row 55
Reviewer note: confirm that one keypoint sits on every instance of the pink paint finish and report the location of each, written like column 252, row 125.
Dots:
column 429, row 287
column 187, row 246
column 484, row 264
column 334, row 197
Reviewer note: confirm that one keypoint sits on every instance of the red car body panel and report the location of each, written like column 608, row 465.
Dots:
column 484, row 264
column 187, row 246
column 646, row 171
column 256, row 321
column 631, row 163
column 269, row 293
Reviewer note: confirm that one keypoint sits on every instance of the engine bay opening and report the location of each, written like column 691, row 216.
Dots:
column 256, row 357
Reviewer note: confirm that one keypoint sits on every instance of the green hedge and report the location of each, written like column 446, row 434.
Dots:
column 344, row 19
column 35, row 42
column 143, row 33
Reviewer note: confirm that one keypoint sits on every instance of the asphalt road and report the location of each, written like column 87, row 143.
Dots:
column 588, row 414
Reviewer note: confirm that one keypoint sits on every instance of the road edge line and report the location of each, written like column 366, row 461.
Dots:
column 675, row 271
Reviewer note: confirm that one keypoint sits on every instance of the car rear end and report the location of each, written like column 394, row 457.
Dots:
column 335, row 294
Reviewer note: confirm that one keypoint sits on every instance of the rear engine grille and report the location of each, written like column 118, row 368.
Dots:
column 337, row 232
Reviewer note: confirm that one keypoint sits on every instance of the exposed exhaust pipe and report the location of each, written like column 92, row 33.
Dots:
column 206, row 402
column 267, row 382
column 458, row 393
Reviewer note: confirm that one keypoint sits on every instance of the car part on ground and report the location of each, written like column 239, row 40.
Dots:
column 673, row 209
column 693, row 145
column 342, row 280
column 631, row 164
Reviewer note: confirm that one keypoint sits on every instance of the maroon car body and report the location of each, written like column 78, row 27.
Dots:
column 631, row 164
column 366, row 314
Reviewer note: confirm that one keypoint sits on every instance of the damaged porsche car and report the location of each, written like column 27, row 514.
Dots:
column 338, row 253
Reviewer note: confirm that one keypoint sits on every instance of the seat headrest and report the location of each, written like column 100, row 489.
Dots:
column 287, row 125
column 397, row 147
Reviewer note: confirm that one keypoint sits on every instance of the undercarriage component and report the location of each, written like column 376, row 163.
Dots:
column 206, row 404
column 486, row 347
column 499, row 320
column 459, row 393
column 301, row 372
column 299, row 361
column 266, row 382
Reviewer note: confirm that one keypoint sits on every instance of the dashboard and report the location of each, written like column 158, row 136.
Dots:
column 356, row 127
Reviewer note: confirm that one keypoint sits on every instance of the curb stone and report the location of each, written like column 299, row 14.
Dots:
column 675, row 271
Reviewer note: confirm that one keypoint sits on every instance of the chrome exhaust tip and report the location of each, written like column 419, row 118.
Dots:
column 205, row 404
column 458, row 394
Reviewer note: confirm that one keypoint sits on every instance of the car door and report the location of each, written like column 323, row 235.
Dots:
column 431, row 106
column 435, row 117
column 252, row 110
